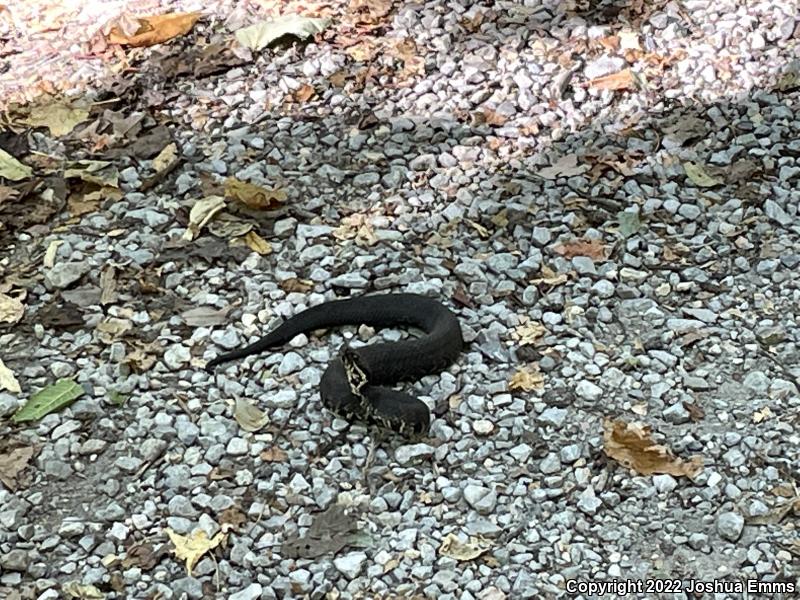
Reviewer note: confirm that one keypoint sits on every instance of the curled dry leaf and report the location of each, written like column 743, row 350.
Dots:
column 527, row 379
column 253, row 196
column 594, row 249
column 12, row 463
column 202, row 212
column 7, row 379
column 59, row 117
column 192, row 547
column 621, row 80
column 452, row 547
column 273, row 454
column 529, row 332
column 156, row 29
column 249, row 416
column 260, row 35
column 167, row 156
column 632, row 446
column 257, row 244
column 550, row 277
column 697, row 175
column 11, row 309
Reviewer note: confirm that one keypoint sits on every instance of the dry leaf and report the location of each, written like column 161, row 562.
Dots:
column 527, row 379
column 363, row 51
column 550, row 277
column 528, row 333
column 356, row 226
column 12, row 463
column 297, row 285
column 12, row 169
column 257, row 244
column 762, row 415
column 59, row 117
column 304, row 93
column 249, row 416
column 622, row 80
column 490, row 117
column 154, row 29
column 233, row 516
column 50, row 254
column 260, row 35
column 452, row 547
column 593, row 248
column 369, row 12
column 11, row 309
column 566, row 166
column 80, row 591
column 7, row 379
column 202, row 212
column 165, row 158
column 228, row 226
column 406, row 51
column 205, row 316
column 632, row 446
column 253, row 196
column 698, row 176
column 191, row 548
column 273, row 454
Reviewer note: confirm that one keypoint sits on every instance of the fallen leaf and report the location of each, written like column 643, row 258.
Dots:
column 228, row 226
column 632, row 446
column 249, row 416
column 490, row 117
column 261, row 35
column 257, row 244
column 143, row 356
column 273, row 454
column 99, row 172
column 453, row 547
column 7, row 379
column 696, row 413
column 363, row 51
column 11, row 309
column 369, row 12
column 144, row 556
column 297, row 285
column 762, row 415
column 167, row 156
column 253, row 196
column 529, row 332
column 202, row 212
column 12, row 169
column 304, row 93
column 527, row 379
column 233, row 516
column 191, row 548
column 52, row 398
column 155, row 29
column 356, row 226
column 59, row 117
column 406, row 51
column 76, row 589
column 12, row 463
column 566, row 166
column 593, row 248
column 622, row 80
column 777, row 514
column 550, row 277
column 698, row 176
column 49, row 259
column 111, row 329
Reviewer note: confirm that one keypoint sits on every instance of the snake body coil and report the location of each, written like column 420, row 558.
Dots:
column 351, row 386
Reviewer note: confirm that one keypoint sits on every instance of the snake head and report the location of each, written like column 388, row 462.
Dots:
column 357, row 372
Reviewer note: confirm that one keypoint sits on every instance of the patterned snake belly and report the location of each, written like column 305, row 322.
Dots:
column 352, row 384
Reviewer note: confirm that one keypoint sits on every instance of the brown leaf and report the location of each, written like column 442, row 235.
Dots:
column 621, row 80
column 489, row 117
column 304, row 93
column 632, row 446
column 253, row 196
column 695, row 412
column 610, row 42
column 593, row 248
column 12, row 463
column 527, row 379
column 233, row 516
column 297, row 285
column 273, row 454
column 154, row 30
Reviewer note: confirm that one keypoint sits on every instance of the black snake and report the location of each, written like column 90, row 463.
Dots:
column 351, row 385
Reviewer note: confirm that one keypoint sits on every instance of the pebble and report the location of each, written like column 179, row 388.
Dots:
column 730, row 525
column 482, row 499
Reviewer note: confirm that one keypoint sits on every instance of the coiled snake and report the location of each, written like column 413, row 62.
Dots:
column 351, row 386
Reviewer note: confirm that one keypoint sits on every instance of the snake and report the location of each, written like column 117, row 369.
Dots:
column 354, row 384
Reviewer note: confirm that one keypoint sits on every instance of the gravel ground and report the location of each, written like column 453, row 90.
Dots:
column 467, row 175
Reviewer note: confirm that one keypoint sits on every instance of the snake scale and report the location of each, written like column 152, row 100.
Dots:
column 353, row 384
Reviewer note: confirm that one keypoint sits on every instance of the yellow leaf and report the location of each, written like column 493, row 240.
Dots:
column 165, row 158
column 75, row 589
column 7, row 379
column 192, row 548
column 249, row 416
column 698, row 176
column 11, row 309
column 527, row 379
column 260, row 35
column 762, row 415
column 253, row 196
column 156, row 29
column 60, row 117
column 528, row 333
column 12, row 169
column 257, row 244
column 50, row 254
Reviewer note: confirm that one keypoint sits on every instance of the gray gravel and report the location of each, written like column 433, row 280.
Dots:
column 687, row 322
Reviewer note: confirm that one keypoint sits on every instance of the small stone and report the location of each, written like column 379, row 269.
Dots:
column 588, row 390
column 413, row 453
column 541, row 236
column 482, row 499
column 65, row 274
column 676, row 414
column 176, row 356
column 730, row 525
column 588, row 502
column 251, row 592
column 350, row 565
column 483, row 427
column 775, row 212
column 664, row 483
column 553, row 416
column 349, row 280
